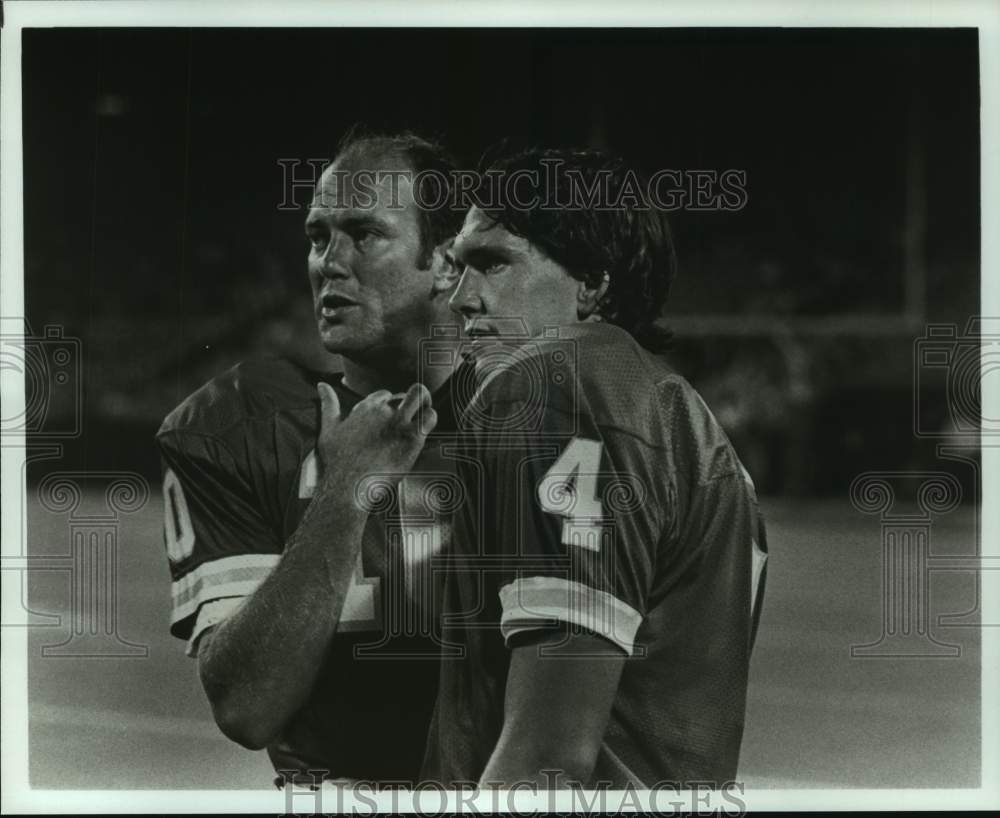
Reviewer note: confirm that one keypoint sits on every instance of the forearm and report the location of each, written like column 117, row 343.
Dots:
column 527, row 756
column 259, row 666
column 554, row 723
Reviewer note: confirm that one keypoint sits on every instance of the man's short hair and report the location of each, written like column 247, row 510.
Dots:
column 419, row 154
column 595, row 233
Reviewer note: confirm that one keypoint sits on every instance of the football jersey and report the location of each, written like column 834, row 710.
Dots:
column 602, row 494
column 239, row 471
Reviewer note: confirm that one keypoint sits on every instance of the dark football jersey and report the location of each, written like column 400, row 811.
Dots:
column 603, row 495
column 239, row 471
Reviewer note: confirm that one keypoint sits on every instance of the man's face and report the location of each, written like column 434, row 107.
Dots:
column 508, row 286
column 370, row 298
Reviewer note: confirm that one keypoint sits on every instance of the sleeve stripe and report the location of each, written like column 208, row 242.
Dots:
column 534, row 602
column 236, row 576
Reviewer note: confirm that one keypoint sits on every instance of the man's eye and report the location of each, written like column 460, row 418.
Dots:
column 365, row 237
column 317, row 241
column 494, row 267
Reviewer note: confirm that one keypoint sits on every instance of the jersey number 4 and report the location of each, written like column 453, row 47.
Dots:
column 569, row 490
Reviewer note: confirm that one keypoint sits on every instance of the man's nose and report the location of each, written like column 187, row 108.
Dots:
column 334, row 263
column 467, row 300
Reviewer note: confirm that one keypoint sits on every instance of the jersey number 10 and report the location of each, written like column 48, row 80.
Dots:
column 178, row 531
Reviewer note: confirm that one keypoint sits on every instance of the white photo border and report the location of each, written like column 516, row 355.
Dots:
column 19, row 14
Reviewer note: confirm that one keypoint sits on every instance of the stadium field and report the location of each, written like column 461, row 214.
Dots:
column 816, row 716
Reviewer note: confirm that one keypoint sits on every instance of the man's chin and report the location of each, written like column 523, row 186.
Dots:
column 338, row 339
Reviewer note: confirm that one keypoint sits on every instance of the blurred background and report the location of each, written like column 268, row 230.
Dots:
column 155, row 235
column 153, row 231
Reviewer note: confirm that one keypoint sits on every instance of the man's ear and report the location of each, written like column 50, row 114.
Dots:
column 588, row 298
column 444, row 267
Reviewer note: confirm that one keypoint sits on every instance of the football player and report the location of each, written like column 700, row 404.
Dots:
column 289, row 584
column 607, row 572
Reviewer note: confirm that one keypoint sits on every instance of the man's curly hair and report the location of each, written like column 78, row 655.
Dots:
column 604, row 231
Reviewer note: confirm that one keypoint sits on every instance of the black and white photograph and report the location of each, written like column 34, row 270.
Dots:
column 409, row 407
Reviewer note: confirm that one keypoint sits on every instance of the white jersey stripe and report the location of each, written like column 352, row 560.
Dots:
column 226, row 577
column 530, row 603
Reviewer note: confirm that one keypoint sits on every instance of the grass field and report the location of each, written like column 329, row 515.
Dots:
column 816, row 716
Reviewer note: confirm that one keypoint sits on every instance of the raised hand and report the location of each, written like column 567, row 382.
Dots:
column 383, row 434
